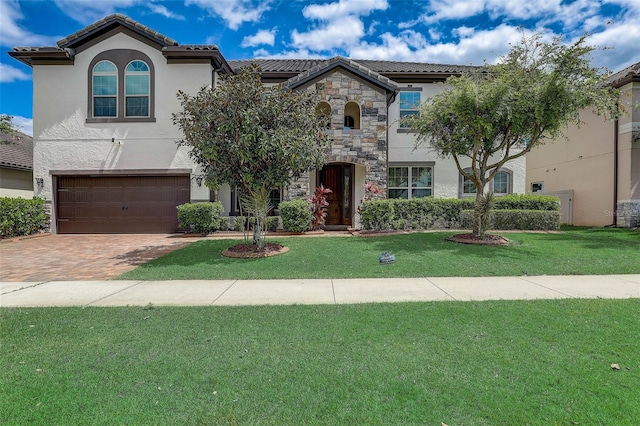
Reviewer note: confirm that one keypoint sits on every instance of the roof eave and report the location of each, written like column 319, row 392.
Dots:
column 211, row 53
column 46, row 55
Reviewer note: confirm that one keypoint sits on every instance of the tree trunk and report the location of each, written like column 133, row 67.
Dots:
column 477, row 215
column 479, row 212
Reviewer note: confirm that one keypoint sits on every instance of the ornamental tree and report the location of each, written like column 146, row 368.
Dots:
column 498, row 113
column 252, row 137
column 7, row 129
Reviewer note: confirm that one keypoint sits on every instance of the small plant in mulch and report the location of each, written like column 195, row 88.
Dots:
column 487, row 240
column 252, row 251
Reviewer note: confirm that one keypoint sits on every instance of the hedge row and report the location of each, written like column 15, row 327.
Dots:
column 205, row 218
column 435, row 213
column 19, row 216
column 526, row 220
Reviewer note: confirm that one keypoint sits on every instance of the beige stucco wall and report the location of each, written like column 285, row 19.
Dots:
column 582, row 162
column 628, row 152
column 63, row 140
column 16, row 183
column 446, row 178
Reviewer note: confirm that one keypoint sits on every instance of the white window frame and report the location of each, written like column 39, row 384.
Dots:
column 415, row 110
column 463, row 180
column 410, row 188
column 127, row 95
column 94, row 74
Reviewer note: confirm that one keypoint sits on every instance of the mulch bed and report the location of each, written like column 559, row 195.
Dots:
column 488, row 240
column 251, row 251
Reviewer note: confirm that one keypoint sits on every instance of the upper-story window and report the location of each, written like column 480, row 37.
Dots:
column 351, row 115
column 105, row 89
column 121, row 87
column 137, row 89
column 409, row 106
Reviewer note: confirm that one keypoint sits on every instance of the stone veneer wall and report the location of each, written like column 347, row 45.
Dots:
column 628, row 214
column 366, row 146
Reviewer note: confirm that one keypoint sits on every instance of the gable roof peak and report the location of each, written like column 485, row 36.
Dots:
column 109, row 22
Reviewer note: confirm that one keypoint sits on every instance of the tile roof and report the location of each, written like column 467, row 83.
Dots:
column 632, row 72
column 110, row 21
column 381, row 67
column 18, row 153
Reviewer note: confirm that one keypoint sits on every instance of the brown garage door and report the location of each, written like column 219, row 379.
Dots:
column 120, row 204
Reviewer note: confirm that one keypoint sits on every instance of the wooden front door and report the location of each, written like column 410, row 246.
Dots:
column 338, row 178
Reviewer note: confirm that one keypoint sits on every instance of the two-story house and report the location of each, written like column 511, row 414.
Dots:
column 104, row 142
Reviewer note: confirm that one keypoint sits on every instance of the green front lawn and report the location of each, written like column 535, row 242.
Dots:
column 461, row 363
column 574, row 251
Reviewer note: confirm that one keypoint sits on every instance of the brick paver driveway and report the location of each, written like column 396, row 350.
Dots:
column 80, row 257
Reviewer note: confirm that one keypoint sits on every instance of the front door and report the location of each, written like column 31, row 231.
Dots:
column 338, row 178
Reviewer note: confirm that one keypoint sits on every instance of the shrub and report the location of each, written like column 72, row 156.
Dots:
column 19, row 216
column 225, row 223
column 319, row 206
column 525, row 220
column 527, row 202
column 377, row 215
column 200, row 218
column 296, row 215
column 271, row 224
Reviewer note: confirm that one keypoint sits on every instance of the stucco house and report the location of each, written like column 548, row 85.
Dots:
column 595, row 169
column 16, row 165
column 104, row 143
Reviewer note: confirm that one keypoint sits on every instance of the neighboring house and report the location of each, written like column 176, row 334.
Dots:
column 105, row 143
column 595, row 169
column 16, row 165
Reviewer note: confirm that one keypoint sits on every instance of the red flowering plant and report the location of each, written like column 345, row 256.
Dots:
column 319, row 206
column 371, row 192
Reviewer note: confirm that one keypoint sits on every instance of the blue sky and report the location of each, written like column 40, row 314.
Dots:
column 439, row 31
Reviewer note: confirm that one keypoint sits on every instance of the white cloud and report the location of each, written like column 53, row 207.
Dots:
column 162, row 10
column 452, row 9
column 410, row 45
column 9, row 74
column 621, row 42
column 23, row 124
column 340, row 27
column 341, row 32
column 87, row 12
column 332, row 11
column 13, row 34
column 234, row 12
column 267, row 37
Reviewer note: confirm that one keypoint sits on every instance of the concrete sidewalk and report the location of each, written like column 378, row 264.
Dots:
column 313, row 291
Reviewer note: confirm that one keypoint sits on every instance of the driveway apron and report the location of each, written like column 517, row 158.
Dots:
column 80, row 257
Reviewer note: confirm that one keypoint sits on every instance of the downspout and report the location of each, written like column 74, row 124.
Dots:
column 615, row 173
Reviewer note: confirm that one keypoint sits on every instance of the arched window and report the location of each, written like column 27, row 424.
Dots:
column 351, row 115
column 121, row 87
column 105, row 89
column 136, row 90
column 502, row 184
column 323, row 109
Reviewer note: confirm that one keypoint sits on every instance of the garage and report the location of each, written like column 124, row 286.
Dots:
column 130, row 204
